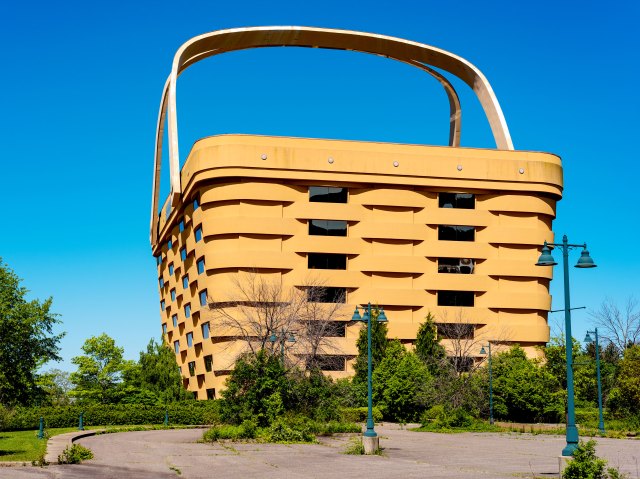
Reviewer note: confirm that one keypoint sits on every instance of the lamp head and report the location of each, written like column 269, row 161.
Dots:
column 483, row 351
column 545, row 257
column 273, row 338
column 292, row 338
column 587, row 338
column 585, row 261
column 356, row 315
column 382, row 318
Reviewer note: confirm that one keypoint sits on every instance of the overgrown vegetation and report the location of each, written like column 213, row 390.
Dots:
column 586, row 465
column 75, row 454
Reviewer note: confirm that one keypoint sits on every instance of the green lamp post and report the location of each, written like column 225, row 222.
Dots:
column 588, row 340
column 368, row 318
column 285, row 336
column 585, row 261
column 482, row 351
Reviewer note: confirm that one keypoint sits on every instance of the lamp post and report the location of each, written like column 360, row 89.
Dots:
column 41, row 429
column 371, row 440
column 584, row 261
column 81, row 422
column 482, row 351
column 588, row 340
column 284, row 336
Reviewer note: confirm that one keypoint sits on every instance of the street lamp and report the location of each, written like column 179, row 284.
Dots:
column 284, row 336
column 585, row 261
column 588, row 340
column 371, row 440
column 482, row 351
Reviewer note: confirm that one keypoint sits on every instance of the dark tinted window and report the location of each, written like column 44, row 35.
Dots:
column 456, row 233
column 455, row 265
column 208, row 363
column 457, row 200
column 327, row 295
column 327, row 261
column 327, row 194
column 456, row 298
column 455, row 330
column 327, row 329
column 330, row 363
column 211, row 393
column 327, row 228
column 192, row 368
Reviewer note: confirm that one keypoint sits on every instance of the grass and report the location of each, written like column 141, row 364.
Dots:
column 24, row 446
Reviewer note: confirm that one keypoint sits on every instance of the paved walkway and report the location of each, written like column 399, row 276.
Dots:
column 57, row 444
column 173, row 453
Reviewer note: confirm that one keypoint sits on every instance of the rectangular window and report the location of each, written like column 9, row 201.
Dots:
column 176, row 347
column 185, row 281
column 198, row 233
column 455, row 330
column 159, row 259
column 181, row 226
column 174, row 318
column 456, row 233
column 164, row 328
column 161, row 282
column 183, row 253
column 330, row 363
column 187, row 311
column 173, row 294
column 211, row 393
column 465, row 201
column 205, row 330
column 327, row 295
column 203, row 297
column 196, row 203
column 455, row 265
column 208, row 363
column 456, row 298
column 171, row 270
column 189, row 339
column 192, row 368
column 326, row 329
column 326, row 261
column 163, row 305
column 169, row 245
column 327, row 228
column 200, row 265
column 327, row 194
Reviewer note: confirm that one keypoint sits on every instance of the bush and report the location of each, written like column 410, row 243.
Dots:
column 438, row 417
column 586, row 465
column 184, row 412
column 297, row 430
column 359, row 414
column 247, row 430
column 75, row 454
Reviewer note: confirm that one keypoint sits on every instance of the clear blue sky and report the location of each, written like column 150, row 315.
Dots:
column 81, row 83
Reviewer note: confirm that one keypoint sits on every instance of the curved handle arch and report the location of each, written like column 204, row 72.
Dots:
column 224, row 41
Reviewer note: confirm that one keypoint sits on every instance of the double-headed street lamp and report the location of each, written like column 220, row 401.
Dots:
column 584, row 261
column 284, row 336
column 482, row 351
column 367, row 316
column 588, row 340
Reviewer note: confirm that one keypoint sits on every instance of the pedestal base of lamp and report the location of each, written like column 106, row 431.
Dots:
column 371, row 444
column 563, row 461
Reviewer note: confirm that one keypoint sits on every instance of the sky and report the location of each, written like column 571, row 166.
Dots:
column 81, row 85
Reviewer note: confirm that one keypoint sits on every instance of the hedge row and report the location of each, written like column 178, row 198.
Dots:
column 185, row 412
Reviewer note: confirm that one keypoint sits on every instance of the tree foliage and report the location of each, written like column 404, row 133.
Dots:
column 28, row 341
column 428, row 347
column 625, row 397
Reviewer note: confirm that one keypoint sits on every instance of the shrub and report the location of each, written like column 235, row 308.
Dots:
column 247, row 430
column 439, row 417
column 299, row 430
column 359, row 414
column 75, row 454
column 586, row 465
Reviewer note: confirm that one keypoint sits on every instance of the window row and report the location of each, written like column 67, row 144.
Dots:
column 336, row 194
column 205, row 328
column 200, row 266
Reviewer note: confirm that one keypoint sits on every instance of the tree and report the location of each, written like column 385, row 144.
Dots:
column 620, row 327
column 100, row 370
column 428, row 347
column 378, row 347
column 28, row 342
column 625, row 397
column 56, row 386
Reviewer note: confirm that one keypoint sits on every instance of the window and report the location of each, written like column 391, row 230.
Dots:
column 187, row 311
column 456, row 233
column 189, row 339
column 203, row 297
column 161, row 282
column 198, row 233
column 196, row 203
column 328, row 228
column 163, row 305
column 159, row 259
column 455, row 330
column 169, row 245
column 326, row 261
column 174, row 318
column 185, row 281
column 327, row 194
column 327, row 295
column 183, row 253
column 205, row 331
column 200, row 264
column 211, row 393
column 173, row 294
column 171, row 270
column 456, row 298
column 330, row 363
column 465, row 201
column 164, row 328
column 326, row 329
column 176, row 347
column 181, row 225
column 192, row 368
column 455, row 265
column 208, row 363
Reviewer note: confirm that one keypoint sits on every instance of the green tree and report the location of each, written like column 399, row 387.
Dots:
column 625, row 397
column 27, row 340
column 378, row 347
column 56, row 385
column 401, row 384
column 428, row 347
column 524, row 391
column 100, row 370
